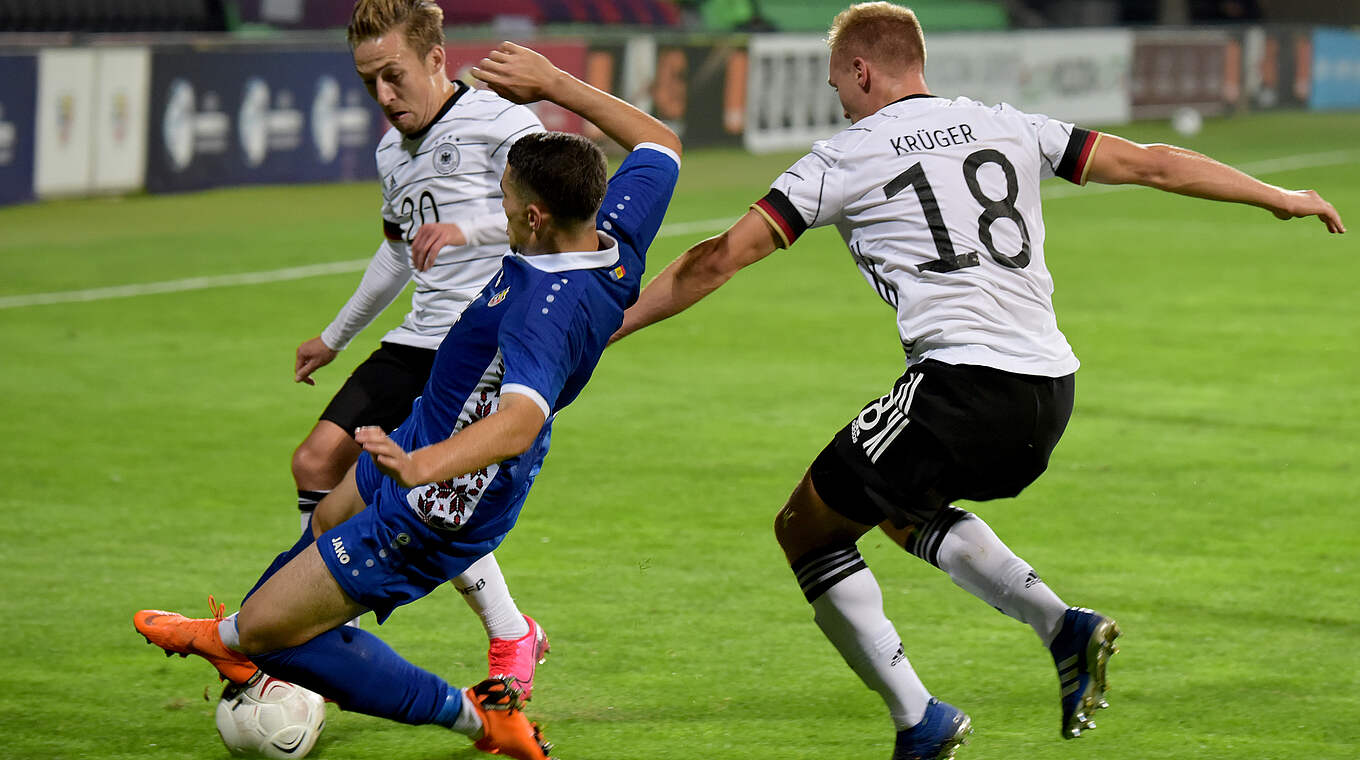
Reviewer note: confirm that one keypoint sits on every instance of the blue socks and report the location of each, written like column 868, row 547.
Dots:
column 358, row 670
column 363, row 674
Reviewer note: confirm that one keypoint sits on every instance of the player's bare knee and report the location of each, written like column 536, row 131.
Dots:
column 789, row 521
column 306, row 463
column 781, row 523
column 798, row 529
column 314, row 466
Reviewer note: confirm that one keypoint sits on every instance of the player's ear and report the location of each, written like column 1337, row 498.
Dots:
column 862, row 73
column 537, row 218
column 435, row 59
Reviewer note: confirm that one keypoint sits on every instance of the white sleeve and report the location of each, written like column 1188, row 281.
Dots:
column 1065, row 148
column 485, row 229
column 387, row 274
column 808, row 194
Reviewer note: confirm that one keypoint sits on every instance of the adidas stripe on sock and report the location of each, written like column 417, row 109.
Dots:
column 819, row 570
column 848, row 606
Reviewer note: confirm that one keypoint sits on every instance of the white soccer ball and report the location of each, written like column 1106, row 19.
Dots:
column 270, row 718
column 1187, row 121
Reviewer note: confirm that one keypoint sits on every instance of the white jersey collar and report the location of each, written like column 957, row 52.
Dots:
column 561, row 262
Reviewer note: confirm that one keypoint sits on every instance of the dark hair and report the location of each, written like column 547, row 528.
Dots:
column 565, row 172
column 424, row 22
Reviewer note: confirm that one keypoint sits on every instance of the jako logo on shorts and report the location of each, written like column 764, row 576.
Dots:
column 339, row 546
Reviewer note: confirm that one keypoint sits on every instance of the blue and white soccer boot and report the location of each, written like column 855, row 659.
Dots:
column 937, row 736
column 1081, row 651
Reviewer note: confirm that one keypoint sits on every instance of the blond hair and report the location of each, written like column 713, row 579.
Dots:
column 423, row 19
column 884, row 33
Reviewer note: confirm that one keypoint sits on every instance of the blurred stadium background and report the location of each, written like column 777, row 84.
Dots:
column 116, row 96
column 186, row 194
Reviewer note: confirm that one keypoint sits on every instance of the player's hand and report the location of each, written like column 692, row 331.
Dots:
column 392, row 460
column 516, row 73
column 311, row 356
column 1309, row 203
column 430, row 239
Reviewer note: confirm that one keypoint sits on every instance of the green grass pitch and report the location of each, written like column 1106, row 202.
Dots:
column 1205, row 493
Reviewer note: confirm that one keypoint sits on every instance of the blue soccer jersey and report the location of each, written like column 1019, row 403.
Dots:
column 537, row 329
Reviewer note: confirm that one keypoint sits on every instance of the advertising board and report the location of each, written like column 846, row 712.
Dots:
column 227, row 117
column 66, row 103
column 1336, row 69
column 18, row 107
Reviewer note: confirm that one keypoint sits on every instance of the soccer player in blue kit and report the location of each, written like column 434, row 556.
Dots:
column 448, row 484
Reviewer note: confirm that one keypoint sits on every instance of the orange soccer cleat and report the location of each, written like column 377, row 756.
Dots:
column 184, row 636
column 505, row 728
column 519, row 657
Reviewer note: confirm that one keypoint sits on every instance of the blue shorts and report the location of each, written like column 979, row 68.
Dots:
column 385, row 556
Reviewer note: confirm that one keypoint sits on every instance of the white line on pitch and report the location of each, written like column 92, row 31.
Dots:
column 674, row 229
column 178, row 286
column 260, row 278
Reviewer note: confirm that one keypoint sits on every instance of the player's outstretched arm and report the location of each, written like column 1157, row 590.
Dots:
column 507, row 432
column 383, row 280
column 521, row 75
column 699, row 271
column 1117, row 161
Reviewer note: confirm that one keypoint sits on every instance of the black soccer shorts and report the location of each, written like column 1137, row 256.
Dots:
column 381, row 390
column 944, row 432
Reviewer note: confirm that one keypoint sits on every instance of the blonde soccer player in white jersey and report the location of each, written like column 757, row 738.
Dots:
column 440, row 167
column 938, row 202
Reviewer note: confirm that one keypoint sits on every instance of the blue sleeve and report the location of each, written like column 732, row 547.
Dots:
column 637, row 197
column 542, row 343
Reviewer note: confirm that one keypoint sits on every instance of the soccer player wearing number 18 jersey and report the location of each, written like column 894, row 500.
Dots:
column 938, row 202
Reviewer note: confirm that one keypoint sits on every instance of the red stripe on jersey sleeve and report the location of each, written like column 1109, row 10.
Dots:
column 781, row 215
column 1073, row 165
column 1079, row 175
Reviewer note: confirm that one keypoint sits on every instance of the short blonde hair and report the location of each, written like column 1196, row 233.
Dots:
column 884, row 33
column 424, row 21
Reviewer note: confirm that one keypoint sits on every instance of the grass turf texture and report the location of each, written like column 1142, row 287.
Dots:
column 1204, row 493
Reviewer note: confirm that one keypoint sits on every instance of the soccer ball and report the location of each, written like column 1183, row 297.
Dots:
column 270, row 718
column 1187, row 121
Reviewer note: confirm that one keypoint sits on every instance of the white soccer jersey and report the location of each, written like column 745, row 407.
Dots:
column 938, row 202
column 451, row 172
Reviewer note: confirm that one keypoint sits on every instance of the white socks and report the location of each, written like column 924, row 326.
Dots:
column 226, row 630
column 982, row 565
column 848, row 607
column 484, row 589
column 468, row 722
